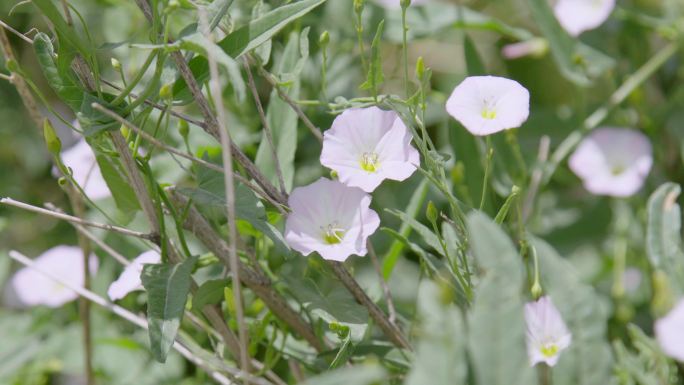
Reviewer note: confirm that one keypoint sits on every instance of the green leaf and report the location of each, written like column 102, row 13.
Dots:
column 474, row 63
column 118, row 185
column 577, row 62
column 198, row 43
column 216, row 11
column 48, row 9
column 247, row 38
column 167, row 287
column 663, row 239
column 282, row 119
column 211, row 193
column 60, row 80
column 588, row 360
column 415, row 203
column 496, row 339
column 209, row 293
column 375, row 76
column 646, row 365
column 428, row 235
column 440, row 357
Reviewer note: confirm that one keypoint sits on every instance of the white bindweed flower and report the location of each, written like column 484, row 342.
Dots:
column 129, row 280
column 547, row 335
column 81, row 159
column 488, row 104
column 669, row 332
column 577, row 16
column 330, row 218
column 613, row 161
column 32, row 288
column 368, row 145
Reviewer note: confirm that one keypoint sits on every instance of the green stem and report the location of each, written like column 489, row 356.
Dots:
column 404, row 48
column 128, row 88
column 488, row 166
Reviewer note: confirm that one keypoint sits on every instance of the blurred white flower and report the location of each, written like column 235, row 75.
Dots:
column 669, row 332
column 534, row 47
column 577, row 16
column 365, row 146
column 488, row 104
column 394, row 4
column 129, row 280
column 613, row 161
column 330, row 218
column 66, row 262
column 81, row 159
column 547, row 335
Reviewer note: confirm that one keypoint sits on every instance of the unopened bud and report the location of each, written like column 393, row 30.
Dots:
column 62, row 181
column 324, row 39
column 420, row 68
column 333, row 175
column 166, row 92
column 405, row 3
column 12, row 65
column 183, row 128
column 358, row 5
column 116, row 64
column 431, row 212
column 54, row 145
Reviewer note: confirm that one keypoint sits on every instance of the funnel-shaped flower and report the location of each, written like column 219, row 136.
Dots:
column 330, row 218
column 577, row 16
column 669, row 332
column 488, row 104
column 129, row 280
column 81, row 159
column 547, row 334
column 366, row 146
column 66, row 262
column 613, row 161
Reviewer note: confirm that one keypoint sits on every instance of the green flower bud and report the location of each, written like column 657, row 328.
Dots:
column 12, row 65
column 166, row 91
column 405, row 3
column 324, row 39
column 431, row 212
column 458, row 172
column 333, row 175
column 54, row 145
column 116, row 64
column 124, row 131
column 62, row 181
column 420, row 68
column 358, row 5
column 183, row 128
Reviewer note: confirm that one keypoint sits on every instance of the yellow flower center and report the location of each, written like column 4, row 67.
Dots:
column 332, row 234
column 549, row 350
column 488, row 114
column 369, row 162
column 617, row 170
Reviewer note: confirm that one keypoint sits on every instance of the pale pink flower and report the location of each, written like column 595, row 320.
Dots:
column 66, row 262
column 81, row 159
column 488, row 104
column 129, row 280
column 534, row 47
column 577, row 16
column 669, row 332
column 366, row 146
column 330, row 218
column 613, row 161
column 547, row 335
